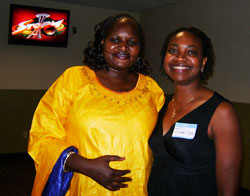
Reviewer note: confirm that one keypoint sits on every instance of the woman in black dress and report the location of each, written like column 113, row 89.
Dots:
column 197, row 142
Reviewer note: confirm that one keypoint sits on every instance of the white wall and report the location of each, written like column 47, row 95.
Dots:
column 226, row 22
column 36, row 67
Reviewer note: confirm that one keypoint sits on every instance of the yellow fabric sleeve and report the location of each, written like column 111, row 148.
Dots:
column 47, row 134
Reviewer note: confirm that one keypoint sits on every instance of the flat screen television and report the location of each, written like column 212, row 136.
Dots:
column 40, row 26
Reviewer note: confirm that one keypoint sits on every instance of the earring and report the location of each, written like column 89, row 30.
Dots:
column 202, row 69
column 138, row 59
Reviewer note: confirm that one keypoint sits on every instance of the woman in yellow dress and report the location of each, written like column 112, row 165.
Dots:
column 90, row 131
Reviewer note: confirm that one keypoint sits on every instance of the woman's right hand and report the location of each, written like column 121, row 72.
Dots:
column 99, row 170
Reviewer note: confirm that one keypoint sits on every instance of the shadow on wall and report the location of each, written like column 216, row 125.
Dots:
column 17, row 109
column 243, row 110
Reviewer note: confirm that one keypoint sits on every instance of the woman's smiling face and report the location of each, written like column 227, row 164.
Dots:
column 183, row 60
column 121, row 47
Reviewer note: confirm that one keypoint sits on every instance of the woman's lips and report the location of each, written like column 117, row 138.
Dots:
column 122, row 55
column 179, row 68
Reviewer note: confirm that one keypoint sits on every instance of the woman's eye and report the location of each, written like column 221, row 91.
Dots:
column 132, row 43
column 172, row 51
column 115, row 40
column 192, row 52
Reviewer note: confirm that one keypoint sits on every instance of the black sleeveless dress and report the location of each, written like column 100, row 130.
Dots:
column 183, row 165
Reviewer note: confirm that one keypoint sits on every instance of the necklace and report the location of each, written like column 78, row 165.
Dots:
column 173, row 106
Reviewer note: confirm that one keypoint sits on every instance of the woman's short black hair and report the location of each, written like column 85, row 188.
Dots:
column 207, row 49
column 93, row 53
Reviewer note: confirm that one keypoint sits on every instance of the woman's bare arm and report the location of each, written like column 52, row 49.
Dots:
column 225, row 128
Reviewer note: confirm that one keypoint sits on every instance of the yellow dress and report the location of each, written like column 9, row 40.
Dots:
column 78, row 111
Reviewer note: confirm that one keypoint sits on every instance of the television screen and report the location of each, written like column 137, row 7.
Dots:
column 38, row 26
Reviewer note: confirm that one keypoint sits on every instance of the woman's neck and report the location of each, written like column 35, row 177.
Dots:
column 120, row 81
column 182, row 93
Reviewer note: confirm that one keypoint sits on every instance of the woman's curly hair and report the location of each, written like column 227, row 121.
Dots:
column 93, row 54
column 207, row 49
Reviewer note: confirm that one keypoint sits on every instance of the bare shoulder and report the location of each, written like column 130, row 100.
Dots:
column 225, row 120
column 225, row 111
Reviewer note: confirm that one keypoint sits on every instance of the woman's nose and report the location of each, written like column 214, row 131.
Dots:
column 181, row 56
column 123, row 46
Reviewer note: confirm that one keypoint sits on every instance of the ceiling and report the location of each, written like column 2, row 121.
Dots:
column 121, row 5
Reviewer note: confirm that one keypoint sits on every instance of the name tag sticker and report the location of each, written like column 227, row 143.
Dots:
column 184, row 130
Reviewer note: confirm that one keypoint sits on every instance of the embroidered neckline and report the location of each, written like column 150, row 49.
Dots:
column 116, row 92
column 137, row 92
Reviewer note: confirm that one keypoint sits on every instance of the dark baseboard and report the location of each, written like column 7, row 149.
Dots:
column 244, row 192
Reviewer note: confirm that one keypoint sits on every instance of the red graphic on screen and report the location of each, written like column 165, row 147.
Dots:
column 39, row 25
